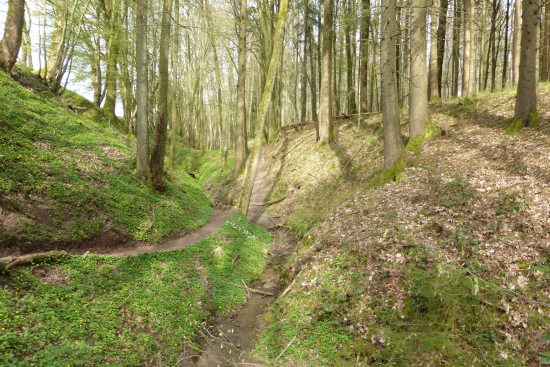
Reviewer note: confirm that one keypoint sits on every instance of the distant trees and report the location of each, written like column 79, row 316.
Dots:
column 13, row 31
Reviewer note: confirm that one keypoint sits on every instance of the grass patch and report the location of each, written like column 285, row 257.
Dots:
column 130, row 311
column 81, row 168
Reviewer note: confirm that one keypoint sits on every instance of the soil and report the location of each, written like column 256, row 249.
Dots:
column 229, row 341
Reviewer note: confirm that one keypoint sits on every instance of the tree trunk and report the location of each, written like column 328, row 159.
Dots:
column 505, row 58
column 159, row 144
column 304, row 68
column 174, row 123
column 262, row 113
column 142, row 126
column 527, row 98
column 516, row 42
column 434, row 86
column 441, row 31
column 418, row 82
column 546, row 44
column 350, row 95
column 393, row 146
column 241, row 112
column 313, row 89
column 467, row 74
column 13, row 31
column 111, row 20
column 326, row 125
column 456, row 47
column 364, row 64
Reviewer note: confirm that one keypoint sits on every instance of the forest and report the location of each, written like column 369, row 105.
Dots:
column 318, row 182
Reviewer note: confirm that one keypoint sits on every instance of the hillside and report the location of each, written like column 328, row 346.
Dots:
column 67, row 178
column 449, row 264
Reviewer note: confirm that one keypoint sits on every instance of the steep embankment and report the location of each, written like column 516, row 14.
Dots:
column 67, row 178
column 447, row 265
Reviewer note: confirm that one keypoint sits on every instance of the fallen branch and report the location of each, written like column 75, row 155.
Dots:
column 246, row 288
column 274, row 201
column 284, row 350
column 12, row 261
column 291, row 285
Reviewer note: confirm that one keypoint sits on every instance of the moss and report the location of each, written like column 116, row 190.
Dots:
column 515, row 127
column 276, row 200
column 414, row 144
column 390, row 175
column 436, row 100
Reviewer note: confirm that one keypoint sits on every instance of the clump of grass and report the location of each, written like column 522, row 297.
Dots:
column 126, row 311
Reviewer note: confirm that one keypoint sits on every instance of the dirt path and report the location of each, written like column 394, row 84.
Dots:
column 228, row 342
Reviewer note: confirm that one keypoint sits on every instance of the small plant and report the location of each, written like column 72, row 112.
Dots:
column 454, row 194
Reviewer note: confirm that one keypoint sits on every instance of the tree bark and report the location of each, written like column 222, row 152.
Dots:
column 314, row 115
column 418, row 82
column 505, row 58
column 527, row 98
column 393, row 146
column 441, row 31
column 364, row 63
column 350, row 95
column 434, row 85
column 241, row 93
column 13, row 31
column 516, row 42
column 142, row 125
column 304, row 67
column 262, row 113
column 326, row 125
column 467, row 74
column 159, row 145
column 456, row 47
column 546, row 44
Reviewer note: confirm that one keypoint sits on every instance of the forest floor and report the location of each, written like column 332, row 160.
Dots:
column 447, row 265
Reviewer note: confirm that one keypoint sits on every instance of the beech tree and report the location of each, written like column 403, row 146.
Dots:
column 418, row 81
column 326, row 124
column 393, row 146
column 13, row 31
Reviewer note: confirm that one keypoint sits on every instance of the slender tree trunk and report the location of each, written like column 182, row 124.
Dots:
column 111, row 21
column 350, row 95
column 241, row 93
column 142, row 131
column 516, row 42
column 527, row 98
column 546, row 44
column 434, row 85
column 398, row 73
column 441, row 31
column 262, row 114
column 174, row 124
column 314, row 116
column 456, row 47
column 13, row 31
column 159, row 144
column 393, row 146
column 364, row 63
column 326, row 125
column 505, row 58
column 418, row 82
column 467, row 74
column 303, row 88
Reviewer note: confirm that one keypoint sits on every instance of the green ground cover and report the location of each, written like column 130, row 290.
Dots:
column 126, row 311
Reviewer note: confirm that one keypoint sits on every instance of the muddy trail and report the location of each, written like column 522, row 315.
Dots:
column 229, row 341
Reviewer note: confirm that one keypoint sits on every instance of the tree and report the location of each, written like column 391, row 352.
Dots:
column 516, row 42
column 241, row 93
column 352, row 108
column 527, row 98
column 159, row 143
column 142, row 125
column 364, row 65
column 264, row 105
column 303, row 88
column 13, row 32
column 418, row 81
column 467, row 76
column 434, row 85
column 441, row 31
column 393, row 146
column 326, row 125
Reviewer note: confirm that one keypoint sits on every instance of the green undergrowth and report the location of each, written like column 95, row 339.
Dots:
column 67, row 174
column 207, row 167
column 126, row 311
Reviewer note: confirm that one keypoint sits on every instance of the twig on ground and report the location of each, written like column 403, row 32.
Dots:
column 245, row 287
column 291, row 285
column 284, row 350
